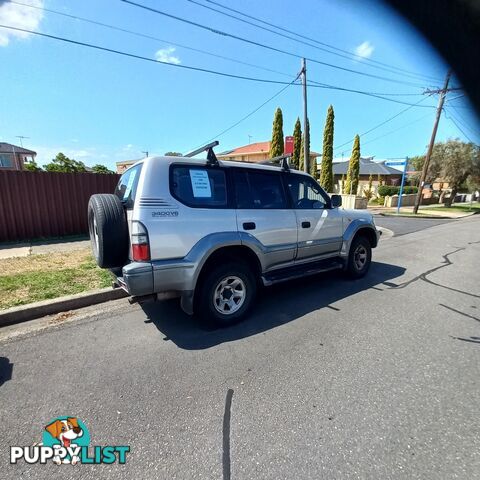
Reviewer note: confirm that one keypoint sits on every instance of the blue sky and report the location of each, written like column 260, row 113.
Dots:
column 102, row 108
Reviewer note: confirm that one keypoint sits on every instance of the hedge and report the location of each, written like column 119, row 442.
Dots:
column 389, row 190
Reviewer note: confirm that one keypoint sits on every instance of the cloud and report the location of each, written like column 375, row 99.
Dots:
column 20, row 17
column 364, row 50
column 165, row 55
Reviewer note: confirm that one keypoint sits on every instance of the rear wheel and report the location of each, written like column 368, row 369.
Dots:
column 359, row 258
column 107, row 225
column 225, row 294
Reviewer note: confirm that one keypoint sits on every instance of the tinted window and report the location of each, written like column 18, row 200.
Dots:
column 306, row 194
column 259, row 190
column 127, row 185
column 6, row 160
column 199, row 187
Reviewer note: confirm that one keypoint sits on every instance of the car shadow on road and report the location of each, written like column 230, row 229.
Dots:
column 6, row 369
column 274, row 306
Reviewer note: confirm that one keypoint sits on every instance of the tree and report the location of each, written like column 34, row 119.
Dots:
column 61, row 163
column 302, row 150
column 277, row 143
column 368, row 192
column 454, row 162
column 101, row 169
column 173, row 154
column 326, row 172
column 342, row 184
column 297, row 144
column 380, row 180
column 416, row 164
column 351, row 185
column 32, row 166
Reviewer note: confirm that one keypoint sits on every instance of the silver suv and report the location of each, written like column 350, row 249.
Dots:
column 213, row 232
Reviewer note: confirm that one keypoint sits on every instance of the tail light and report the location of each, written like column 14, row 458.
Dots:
column 140, row 244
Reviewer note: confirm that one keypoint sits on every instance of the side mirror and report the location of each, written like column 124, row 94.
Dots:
column 336, row 201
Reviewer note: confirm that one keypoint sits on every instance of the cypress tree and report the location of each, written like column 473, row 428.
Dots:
column 326, row 172
column 297, row 143
column 351, row 185
column 302, row 162
column 277, row 143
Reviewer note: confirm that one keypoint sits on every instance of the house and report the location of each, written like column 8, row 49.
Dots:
column 122, row 166
column 254, row 153
column 13, row 157
column 389, row 175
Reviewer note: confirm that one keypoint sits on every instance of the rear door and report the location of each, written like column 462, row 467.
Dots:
column 263, row 212
column 319, row 226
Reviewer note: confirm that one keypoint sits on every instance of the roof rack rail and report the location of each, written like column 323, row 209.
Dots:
column 281, row 160
column 211, row 157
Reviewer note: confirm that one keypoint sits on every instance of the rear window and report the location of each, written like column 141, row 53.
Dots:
column 259, row 190
column 127, row 185
column 199, row 187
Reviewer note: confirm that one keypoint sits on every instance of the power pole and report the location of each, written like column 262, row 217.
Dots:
column 306, row 152
column 443, row 92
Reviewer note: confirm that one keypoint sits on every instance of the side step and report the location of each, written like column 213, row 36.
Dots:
column 303, row 270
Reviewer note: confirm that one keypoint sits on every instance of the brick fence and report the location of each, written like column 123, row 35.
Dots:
column 47, row 204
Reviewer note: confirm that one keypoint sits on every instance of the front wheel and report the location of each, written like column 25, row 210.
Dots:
column 225, row 294
column 359, row 258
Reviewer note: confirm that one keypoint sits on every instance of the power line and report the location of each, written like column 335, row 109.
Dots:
column 262, row 45
column 351, row 55
column 463, row 121
column 248, row 115
column 383, row 122
column 396, row 130
column 182, row 66
column 276, row 32
column 458, row 126
column 459, row 120
column 150, row 37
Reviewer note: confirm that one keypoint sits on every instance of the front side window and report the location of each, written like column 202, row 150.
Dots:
column 6, row 160
column 305, row 193
column 259, row 190
column 199, row 187
column 127, row 185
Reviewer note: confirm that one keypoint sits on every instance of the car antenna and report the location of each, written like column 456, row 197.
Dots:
column 212, row 159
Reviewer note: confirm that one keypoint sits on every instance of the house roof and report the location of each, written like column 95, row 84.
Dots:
column 128, row 162
column 9, row 148
column 253, row 148
column 367, row 167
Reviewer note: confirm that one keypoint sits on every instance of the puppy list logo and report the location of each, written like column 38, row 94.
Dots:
column 66, row 440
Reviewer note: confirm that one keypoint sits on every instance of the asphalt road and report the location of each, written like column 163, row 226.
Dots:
column 404, row 225
column 329, row 378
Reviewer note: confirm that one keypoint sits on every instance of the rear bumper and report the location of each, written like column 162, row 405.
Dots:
column 147, row 278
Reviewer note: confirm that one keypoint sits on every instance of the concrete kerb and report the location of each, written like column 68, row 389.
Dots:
column 63, row 304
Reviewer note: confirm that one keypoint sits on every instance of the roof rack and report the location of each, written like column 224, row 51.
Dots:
column 211, row 157
column 281, row 160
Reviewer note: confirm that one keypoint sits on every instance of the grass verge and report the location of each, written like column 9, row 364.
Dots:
column 465, row 208
column 41, row 277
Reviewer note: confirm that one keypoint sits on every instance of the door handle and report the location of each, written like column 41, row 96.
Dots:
column 306, row 225
column 249, row 226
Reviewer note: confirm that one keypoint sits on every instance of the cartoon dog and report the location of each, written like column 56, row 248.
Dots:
column 65, row 431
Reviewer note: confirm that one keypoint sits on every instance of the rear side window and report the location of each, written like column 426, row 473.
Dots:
column 199, row 187
column 127, row 185
column 259, row 190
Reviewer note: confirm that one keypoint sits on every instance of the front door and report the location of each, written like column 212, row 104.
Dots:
column 319, row 226
column 263, row 212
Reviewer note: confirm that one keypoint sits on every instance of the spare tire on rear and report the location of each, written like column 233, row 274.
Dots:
column 108, row 228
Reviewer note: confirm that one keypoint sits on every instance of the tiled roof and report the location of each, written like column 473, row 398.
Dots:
column 367, row 167
column 9, row 148
column 252, row 148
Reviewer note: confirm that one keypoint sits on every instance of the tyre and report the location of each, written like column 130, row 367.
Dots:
column 359, row 257
column 107, row 225
column 225, row 294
